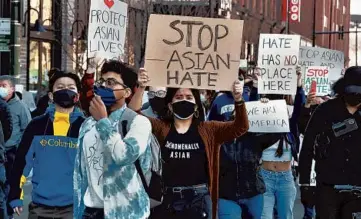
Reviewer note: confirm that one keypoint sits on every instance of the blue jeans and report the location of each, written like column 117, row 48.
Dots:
column 192, row 204
column 229, row 209
column 309, row 212
column 280, row 192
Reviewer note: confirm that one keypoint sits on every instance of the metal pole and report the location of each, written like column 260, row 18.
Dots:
column 287, row 16
column 314, row 24
column 28, row 47
column 356, row 44
column 15, row 38
column 211, row 8
column 330, row 36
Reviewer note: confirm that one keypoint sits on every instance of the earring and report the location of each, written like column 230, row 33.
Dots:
column 196, row 114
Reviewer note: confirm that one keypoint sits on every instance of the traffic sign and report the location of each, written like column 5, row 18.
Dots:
column 5, row 26
column 4, row 43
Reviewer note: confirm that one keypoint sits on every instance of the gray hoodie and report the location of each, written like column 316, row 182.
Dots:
column 20, row 118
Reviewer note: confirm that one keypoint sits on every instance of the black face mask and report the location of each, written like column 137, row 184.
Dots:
column 353, row 99
column 65, row 98
column 183, row 109
column 157, row 104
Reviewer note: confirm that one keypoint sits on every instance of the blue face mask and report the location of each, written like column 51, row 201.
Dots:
column 106, row 94
column 3, row 92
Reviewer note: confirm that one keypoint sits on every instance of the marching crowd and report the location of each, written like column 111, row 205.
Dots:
column 96, row 150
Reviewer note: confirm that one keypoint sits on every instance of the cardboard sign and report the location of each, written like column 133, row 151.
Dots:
column 271, row 117
column 319, row 74
column 193, row 52
column 107, row 27
column 333, row 59
column 277, row 59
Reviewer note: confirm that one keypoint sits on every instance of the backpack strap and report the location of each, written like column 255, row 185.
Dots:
column 129, row 116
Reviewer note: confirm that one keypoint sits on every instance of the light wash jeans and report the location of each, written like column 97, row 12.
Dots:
column 229, row 209
column 280, row 190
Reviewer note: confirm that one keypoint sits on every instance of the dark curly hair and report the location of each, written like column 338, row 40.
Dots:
column 126, row 72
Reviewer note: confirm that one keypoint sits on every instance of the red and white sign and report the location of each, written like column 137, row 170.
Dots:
column 295, row 10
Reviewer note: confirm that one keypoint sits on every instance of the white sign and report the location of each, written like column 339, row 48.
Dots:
column 271, row 117
column 333, row 59
column 5, row 26
column 107, row 27
column 277, row 59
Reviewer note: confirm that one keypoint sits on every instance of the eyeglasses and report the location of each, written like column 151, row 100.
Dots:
column 160, row 94
column 110, row 82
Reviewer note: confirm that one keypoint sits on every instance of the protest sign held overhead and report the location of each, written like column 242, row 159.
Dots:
column 193, row 52
column 271, row 117
column 333, row 59
column 320, row 75
column 277, row 60
column 107, row 28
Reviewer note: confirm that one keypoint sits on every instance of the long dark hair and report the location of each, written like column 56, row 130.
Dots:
column 169, row 97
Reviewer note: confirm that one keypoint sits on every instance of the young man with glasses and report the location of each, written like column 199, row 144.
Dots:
column 106, row 181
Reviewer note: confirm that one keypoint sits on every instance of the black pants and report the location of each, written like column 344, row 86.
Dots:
column 9, row 162
column 93, row 213
column 37, row 211
column 332, row 204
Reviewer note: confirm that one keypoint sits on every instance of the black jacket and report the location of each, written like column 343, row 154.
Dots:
column 6, row 127
column 239, row 170
column 338, row 159
column 304, row 118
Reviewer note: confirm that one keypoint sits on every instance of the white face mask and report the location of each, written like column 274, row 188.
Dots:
column 3, row 92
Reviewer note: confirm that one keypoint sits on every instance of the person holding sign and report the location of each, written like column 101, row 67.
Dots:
column 190, row 150
column 276, row 163
column 332, row 138
column 106, row 180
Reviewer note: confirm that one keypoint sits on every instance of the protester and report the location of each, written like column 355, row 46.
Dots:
column 276, row 164
column 190, row 150
column 21, row 117
column 5, row 133
column 308, row 193
column 207, row 97
column 49, row 146
column 157, row 106
column 241, row 184
column 332, row 138
column 107, row 184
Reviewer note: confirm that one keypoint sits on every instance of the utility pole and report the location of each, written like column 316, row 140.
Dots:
column 288, row 17
column 211, row 8
column 15, row 38
column 314, row 24
column 356, row 44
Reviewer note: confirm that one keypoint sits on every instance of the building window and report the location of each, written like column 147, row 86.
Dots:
column 45, row 9
column 344, row 10
column 338, row 4
column 40, row 63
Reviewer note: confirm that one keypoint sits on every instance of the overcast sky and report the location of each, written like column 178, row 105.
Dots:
column 355, row 6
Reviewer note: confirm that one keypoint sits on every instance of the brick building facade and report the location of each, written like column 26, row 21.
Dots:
column 265, row 16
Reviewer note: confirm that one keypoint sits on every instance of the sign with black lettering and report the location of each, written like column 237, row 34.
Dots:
column 107, row 28
column 277, row 60
column 271, row 117
column 319, row 74
column 333, row 59
column 193, row 52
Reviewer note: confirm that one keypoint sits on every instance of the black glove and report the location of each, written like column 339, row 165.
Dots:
column 308, row 195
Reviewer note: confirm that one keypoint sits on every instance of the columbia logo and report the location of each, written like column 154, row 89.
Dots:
column 43, row 142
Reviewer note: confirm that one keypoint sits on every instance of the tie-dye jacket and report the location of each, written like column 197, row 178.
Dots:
column 123, row 193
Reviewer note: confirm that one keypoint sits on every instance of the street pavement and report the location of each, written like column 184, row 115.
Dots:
column 298, row 210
